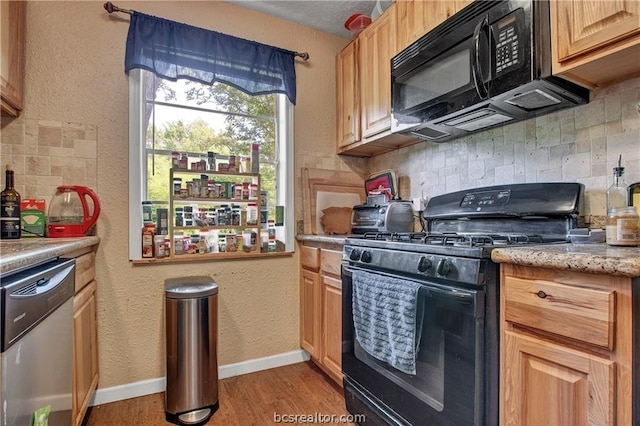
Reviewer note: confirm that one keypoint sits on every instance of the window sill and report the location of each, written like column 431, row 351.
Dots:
column 183, row 258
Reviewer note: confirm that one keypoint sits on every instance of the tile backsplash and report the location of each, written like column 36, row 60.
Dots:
column 45, row 154
column 580, row 144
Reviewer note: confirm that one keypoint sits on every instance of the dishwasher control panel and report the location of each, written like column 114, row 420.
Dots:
column 29, row 296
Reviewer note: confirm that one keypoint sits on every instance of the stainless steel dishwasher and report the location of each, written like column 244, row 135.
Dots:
column 36, row 310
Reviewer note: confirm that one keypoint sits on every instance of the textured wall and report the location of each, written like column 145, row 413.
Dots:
column 576, row 145
column 75, row 73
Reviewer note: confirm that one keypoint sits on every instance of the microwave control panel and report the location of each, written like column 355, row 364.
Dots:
column 508, row 41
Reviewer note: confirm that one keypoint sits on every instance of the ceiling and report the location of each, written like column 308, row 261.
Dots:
column 324, row 15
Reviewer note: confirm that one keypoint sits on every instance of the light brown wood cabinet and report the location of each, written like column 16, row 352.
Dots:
column 321, row 306
column 377, row 46
column 363, row 71
column 415, row 18
column 566, row 353
column 595, row 42
column 348, row 95
column 85, row 334
column 12, row 59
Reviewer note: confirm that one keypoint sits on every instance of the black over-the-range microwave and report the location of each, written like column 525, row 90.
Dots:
column 487, row 65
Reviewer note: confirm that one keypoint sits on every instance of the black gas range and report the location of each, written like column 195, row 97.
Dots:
column 421, row 311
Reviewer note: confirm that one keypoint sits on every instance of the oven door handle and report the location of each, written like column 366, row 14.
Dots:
column 461, row 297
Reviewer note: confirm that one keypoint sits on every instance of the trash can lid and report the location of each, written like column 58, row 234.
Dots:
column 190, row 287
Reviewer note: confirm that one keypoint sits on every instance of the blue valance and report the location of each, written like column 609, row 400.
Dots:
column 172, row 50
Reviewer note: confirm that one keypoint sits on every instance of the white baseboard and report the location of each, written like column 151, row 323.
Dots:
column 147, row 387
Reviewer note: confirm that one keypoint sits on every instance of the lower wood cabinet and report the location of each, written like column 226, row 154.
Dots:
column 332, row 327
column 549, row 384
column 321, row 306
column 85, row 333
column 566, row 352
column 85, row 350
column 309, row 311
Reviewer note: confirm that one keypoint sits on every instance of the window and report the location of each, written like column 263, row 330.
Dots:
column 193, row 118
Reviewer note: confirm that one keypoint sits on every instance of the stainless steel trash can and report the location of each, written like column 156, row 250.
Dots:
column 191, row 308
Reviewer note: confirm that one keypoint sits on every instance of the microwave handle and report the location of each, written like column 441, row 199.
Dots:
column 481, row 87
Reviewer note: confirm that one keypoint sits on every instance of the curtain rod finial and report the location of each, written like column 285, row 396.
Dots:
column 108, row 6
column 304, row 56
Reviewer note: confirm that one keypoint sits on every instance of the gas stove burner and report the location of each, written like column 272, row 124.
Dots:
column 395, row 236
column 480, row 240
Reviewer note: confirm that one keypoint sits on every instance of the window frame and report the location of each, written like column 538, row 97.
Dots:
column 137, row 166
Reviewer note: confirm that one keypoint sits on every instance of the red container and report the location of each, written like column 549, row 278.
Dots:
column 356, row 23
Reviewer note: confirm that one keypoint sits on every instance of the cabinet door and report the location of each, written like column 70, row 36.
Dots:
column 547, row 384
column 461, row 4
column 85, row 350
column 310, row 320
column 331, row 262
column 348, row 96
column 12, row 60
column 332, row 327
column 582, row 26
column 377, row 46
column 415, row 18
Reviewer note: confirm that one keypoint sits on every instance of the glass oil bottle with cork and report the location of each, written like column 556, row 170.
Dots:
column 623, row 223
column 10, row 208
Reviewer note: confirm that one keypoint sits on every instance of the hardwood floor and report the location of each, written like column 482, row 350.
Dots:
column 252, row 399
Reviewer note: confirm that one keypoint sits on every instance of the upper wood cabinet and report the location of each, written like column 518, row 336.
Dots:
column 595, row 42
column 377, row 46
column 415, row 18
column 12, row 60
column 348, row 95
column 363, row 76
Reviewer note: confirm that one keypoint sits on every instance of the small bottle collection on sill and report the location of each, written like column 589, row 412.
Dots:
column 204, row 187
column 203, row 229
column 214, row 162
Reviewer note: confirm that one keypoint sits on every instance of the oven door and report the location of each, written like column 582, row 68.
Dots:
column 448, row 388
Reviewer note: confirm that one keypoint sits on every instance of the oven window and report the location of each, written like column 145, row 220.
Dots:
column 445, row 75
column 428, row 383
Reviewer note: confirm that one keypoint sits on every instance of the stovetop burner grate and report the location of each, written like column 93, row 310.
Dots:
column 455, row 239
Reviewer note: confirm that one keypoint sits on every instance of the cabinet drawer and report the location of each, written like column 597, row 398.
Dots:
column 331, row 262
column 576, row 312
column 85, row 270
column 310, row 257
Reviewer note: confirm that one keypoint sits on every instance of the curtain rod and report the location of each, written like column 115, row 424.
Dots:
column 110, row 7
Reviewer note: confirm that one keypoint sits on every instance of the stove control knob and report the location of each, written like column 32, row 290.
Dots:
column 382, row 210
column 444, row 267
column 355, row 255
column 424, row 264
column 366, row 257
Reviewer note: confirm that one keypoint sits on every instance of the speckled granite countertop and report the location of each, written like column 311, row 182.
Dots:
column 590, row 258
column 16, row 254
column 330, row 239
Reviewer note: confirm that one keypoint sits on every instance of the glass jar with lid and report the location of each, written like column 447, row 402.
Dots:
column 252, row 214
column 179, row 216
column 623, row 226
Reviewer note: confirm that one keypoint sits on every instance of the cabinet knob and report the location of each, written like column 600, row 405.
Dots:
column 541, row 294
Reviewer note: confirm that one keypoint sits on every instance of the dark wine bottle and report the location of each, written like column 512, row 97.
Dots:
column 9, row 209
